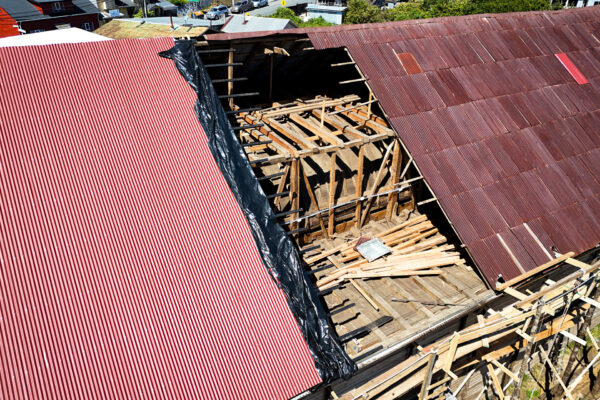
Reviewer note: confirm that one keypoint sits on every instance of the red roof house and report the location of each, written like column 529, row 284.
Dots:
column 128, row 270
column 502, row 116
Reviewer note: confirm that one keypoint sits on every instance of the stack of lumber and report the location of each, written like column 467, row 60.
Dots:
column 417, row 249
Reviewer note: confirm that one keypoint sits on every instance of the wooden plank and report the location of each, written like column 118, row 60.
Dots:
column 313, row 198
column 515, row 293
column 271, row 135
column 319, row 131
column 556, row 375
column 378, row 178
column 464, row 381
column 332, row 187
column 484, row 341
column 230, row 78
column 534, row 271
column 356, row 285
column 495, row 381
column 576, row 263
column 394, row 177
column 570, row 336
column 505, row 370
column 380, row 129
column 344, row 127
column 591, row 301
column 300, row 141
column 317, row 104
column 359, row 182
column 454, row 342
column 281, row 186
column 294, row 191
column 592, row 338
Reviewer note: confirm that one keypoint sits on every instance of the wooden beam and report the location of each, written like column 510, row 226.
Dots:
column 592, row 338
column 574, row 338
column 281, row 186
column 556, row 375
column 313, row 198
column 505, row 370
column 342, row 126
column 515, row 293
column 356, row 285
column 332, row 170
column 359, row 182
column 464, row 381
column 319, row 131
column 427, row 381
column 294, row 190
column 495, row 381
column 484, row 340
column 307, row 107
column 378, row 178
column 230, row 78
column 534, row 271
column 300, row 141
column 395, row 176
column 271, row 135
column 454, row 342
column 381, row 129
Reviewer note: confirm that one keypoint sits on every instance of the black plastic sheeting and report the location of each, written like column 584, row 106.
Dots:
column 275, row 247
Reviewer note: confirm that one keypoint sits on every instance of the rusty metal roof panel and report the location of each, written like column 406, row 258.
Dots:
column 491, row 116
column 461, row 221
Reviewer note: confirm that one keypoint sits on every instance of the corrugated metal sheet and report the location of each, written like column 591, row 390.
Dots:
column 127, row 268
column 497, row 125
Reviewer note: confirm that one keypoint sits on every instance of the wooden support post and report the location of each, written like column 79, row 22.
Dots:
column 332, row 169
column 454, row 342
column 528, row 349
column 359, row 181
column 507, row 371
column 230, row 78
column 281, row 186
column 464, row 382
column 395, row 175
column 484, row 340
column 313, row 198
column 560, row 381
column 376, row 183
column 427, row 381
column 294, row 191
column 369, row 109
column 271, row 76
column 496, row 382
column 323, row 113
column 580, row 332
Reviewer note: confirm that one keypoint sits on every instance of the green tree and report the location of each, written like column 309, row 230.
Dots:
column 502, row 6
column 443, row 8
column 362, row 12
column 286, row 13
column 178, row 2
column 404, row 11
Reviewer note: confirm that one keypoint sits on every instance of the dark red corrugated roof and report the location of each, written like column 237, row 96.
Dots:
column 504, row 134
column 127, row 268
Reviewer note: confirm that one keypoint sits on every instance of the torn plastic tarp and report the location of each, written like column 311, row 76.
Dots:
column 275, row 247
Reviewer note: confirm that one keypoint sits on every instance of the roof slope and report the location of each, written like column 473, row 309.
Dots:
column 507, row 139
column 118, row 29
column 128, row 268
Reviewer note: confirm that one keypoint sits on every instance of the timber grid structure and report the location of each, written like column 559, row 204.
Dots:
column 405, row 210
column 386, row 138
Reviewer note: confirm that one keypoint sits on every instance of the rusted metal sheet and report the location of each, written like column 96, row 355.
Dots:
column 494, row 120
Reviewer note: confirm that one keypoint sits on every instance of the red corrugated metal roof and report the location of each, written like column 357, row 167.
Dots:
column 128, row 269
column 526, row 132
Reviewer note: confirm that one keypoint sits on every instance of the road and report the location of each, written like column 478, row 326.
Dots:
column 275, row 4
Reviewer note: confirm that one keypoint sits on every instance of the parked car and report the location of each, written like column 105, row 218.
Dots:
column 241, row 6
column 260, row 3
column 217, row 12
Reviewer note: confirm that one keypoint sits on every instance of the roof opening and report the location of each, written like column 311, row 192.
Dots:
column 343, row 187
column 573, row 70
